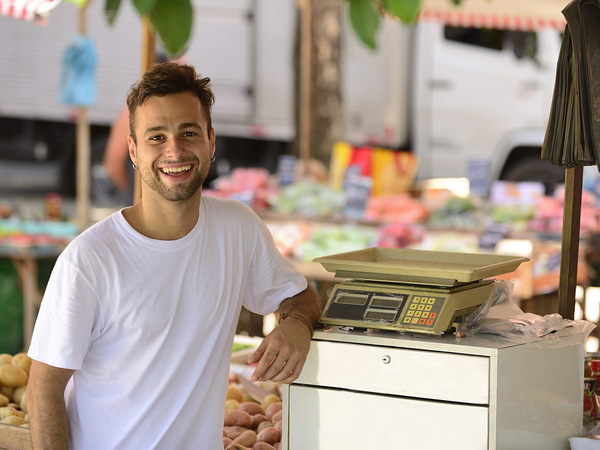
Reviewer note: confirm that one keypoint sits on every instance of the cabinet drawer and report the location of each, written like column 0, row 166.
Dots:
column 396, row 371
column 324, row 419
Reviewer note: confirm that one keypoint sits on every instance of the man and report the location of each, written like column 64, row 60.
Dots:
column 132, row 343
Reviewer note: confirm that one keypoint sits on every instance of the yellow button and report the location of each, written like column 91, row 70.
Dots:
column 416, row 299
column 423, row 299
column 410, row 312
column 431, row 301
column 412, row 306
column 428, row 307
column 421, row 307
column 406, row 320
column 417, row 313
column 414, row 320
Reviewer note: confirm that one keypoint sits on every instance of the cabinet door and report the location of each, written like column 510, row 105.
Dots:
column 324, row 419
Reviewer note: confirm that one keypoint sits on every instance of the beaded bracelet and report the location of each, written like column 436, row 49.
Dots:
column 283, row 316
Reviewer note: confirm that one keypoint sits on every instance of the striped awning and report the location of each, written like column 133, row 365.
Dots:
column 504, row 14
column 29, row 10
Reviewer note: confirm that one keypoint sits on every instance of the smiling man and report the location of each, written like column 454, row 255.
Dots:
column 132, row 344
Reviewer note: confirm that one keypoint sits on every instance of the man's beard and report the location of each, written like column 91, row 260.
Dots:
column 178, row 192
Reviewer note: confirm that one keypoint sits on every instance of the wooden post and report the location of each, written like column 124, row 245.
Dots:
column 148, row 57
column 83, row 152
column 304, row 135
column 570, row 242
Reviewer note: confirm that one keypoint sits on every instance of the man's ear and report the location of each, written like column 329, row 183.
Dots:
column 132, row 149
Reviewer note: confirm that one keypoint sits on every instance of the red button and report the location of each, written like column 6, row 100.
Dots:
column 429, row 322
column 432, row 315
column 421, row 321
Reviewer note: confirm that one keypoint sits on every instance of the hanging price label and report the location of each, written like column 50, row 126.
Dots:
column 357, row 189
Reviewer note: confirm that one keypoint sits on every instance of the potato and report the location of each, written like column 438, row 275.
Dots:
column 234, row 429
column 278, row 426
column 277, row 416
column 18, row 394
column 262, row 446
column 13, row 376
column 23, row 361
column 6, row 411
column 270, row 435
column 233, row 436
column 24, row 402
column 232, row 404
column 277, row 445
column 4, row 401
column 271, row 398
column 233, row 378
column 237, row 417
column 21, row 414
column 256, row 420
column 234, row 393
column 5, row 358
column 233, row 446
column 263, row 425
column 247, row 398
column 252, row 408
column 7, row 391
column 272, row 409
column 13, row 420
column 25, row 425
column 247, row 439
column 226, row 441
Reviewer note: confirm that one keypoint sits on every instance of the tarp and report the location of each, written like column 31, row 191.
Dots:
column 30, row 10
column 502, row 14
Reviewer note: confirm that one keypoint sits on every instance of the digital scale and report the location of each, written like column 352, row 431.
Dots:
column 409, row 290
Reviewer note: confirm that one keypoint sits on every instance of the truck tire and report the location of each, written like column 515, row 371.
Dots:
column 534, row 169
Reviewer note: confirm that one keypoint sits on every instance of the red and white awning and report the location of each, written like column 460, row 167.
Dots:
column 27, row 9
column 504, row 14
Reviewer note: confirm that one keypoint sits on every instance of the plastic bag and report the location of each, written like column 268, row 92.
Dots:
column 500, row 317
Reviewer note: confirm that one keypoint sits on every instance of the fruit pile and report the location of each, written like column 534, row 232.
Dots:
column 249, row 424
column 14, row 376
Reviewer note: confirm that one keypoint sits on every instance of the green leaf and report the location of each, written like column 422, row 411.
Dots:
column 173, row 21
column 365, row 20
column 406, row 10
column 144, row 6
column 110, row 10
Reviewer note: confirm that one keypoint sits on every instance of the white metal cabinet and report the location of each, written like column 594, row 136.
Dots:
column 372, row 390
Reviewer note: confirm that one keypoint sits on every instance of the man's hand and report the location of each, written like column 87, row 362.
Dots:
column 282, row 354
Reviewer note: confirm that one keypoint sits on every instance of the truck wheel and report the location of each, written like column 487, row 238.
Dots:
column 534, row 169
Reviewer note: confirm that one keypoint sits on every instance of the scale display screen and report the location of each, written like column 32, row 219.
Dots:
column 366, row 306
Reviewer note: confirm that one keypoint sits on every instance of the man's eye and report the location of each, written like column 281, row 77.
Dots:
column 156, row 138
column 189, row 133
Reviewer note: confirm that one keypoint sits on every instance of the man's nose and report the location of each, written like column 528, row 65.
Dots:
column 174, row 148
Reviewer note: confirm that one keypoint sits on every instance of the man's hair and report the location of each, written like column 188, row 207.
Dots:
column 169, row 78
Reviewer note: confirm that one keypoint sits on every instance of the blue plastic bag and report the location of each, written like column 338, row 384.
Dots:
column 78, row 78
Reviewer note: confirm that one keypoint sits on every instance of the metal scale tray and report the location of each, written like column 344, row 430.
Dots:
column 419, row 266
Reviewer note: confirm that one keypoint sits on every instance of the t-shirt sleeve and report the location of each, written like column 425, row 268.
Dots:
column 272, row 277
column 66, row 320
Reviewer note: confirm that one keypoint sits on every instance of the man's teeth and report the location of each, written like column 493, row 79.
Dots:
column 175, row 169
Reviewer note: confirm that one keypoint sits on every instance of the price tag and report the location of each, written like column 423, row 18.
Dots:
column 357, row 189
column 286, row 169
column 492, row 235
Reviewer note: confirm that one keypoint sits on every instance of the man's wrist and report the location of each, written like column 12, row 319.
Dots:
column 310, row 327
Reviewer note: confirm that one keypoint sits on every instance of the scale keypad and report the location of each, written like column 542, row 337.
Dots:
column 422, row 311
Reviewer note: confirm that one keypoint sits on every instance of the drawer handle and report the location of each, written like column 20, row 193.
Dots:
column 386, row 359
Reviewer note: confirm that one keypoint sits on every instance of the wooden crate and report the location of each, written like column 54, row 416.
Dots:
column 15, row 438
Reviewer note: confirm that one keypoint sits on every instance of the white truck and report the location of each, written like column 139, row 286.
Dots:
column 469, row 102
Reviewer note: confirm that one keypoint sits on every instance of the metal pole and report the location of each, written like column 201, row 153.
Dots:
column 83, row 150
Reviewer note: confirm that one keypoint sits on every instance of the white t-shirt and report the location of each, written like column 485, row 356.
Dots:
column 148, row 326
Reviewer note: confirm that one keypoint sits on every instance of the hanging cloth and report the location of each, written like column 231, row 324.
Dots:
column 78, row 78
column 29, row 10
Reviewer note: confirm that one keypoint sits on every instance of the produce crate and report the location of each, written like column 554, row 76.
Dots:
column 15, row 438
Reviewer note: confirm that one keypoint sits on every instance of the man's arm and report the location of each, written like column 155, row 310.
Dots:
column 46, row 406
column 281, row 355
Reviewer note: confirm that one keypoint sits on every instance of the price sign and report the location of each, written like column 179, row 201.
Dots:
column 357, row 189
column 492, row 235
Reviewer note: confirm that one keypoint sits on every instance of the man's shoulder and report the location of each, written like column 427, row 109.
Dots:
column 229, row 207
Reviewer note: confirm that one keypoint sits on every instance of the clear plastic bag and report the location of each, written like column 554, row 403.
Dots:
column 500, row 317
